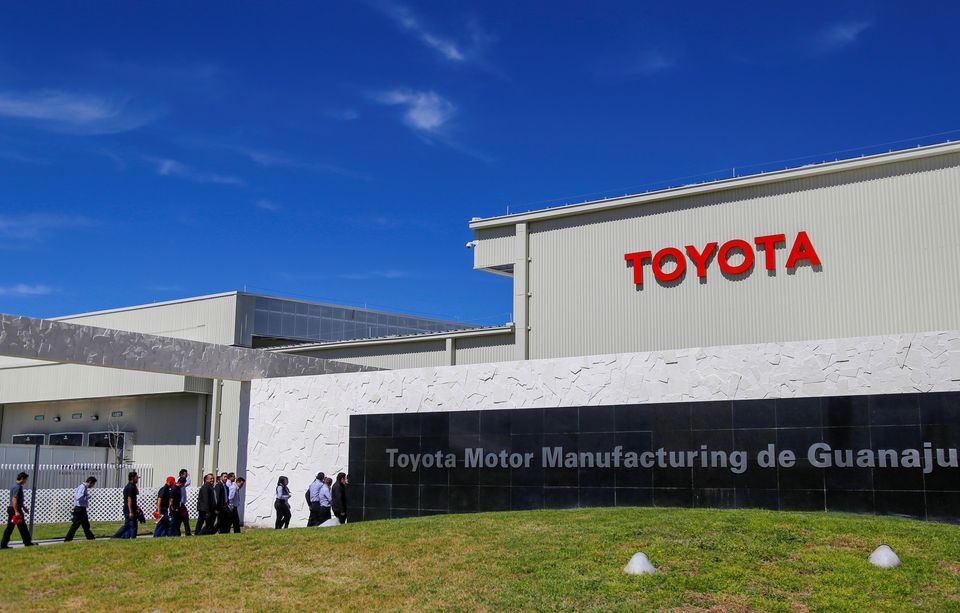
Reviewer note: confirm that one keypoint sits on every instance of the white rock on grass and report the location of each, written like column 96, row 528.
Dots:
column 884, row 557
column 639, row 564
column 333, row 521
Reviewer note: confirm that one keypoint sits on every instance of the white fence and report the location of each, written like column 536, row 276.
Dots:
column 57, row 476
column 106, row 504
column 55, row 484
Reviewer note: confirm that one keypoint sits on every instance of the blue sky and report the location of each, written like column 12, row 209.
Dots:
column 337, row 150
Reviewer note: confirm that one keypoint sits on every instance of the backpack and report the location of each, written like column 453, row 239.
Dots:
column 306, row 495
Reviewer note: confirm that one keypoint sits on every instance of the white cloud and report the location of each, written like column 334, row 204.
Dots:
column 408, row 22
column 37, row 226
column 23, row 290
column 74, row 112
column 425, row 112
column 267, row 205
column 173, row 168
column 840, row 34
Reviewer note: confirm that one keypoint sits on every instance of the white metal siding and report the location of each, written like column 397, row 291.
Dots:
column 420, row 354
column 210, row 319
column 484, row 349
column 495, row 247
column 887, row 237
column 47, row 382
column 163, row 425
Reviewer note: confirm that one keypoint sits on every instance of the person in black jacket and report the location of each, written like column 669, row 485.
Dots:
column 223, row 504
column 339, row 495
column 206, row 507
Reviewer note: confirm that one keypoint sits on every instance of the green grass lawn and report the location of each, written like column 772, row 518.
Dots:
column 101, row 529
column 547, row 560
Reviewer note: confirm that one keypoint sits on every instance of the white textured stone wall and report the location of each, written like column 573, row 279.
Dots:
column 299, row 425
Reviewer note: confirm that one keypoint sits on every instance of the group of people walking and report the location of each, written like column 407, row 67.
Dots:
column 325, row 498
column 217, row 507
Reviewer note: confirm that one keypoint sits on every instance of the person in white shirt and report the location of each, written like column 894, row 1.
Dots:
column 325, row 499
column 81, row 500
column 233, row 502
column 184, row 477
column 313, row 499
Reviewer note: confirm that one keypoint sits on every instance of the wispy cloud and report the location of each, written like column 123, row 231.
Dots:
column 379, row 274
column 16, row 156
column 467, row 48
column 425, row 112
column 634, row 64
column 172, row 168
column 840, row 34
column 343, row 114
column 76, row 113
column 24, row 290
column 267, row 205
column 38, row 226
column 407, row 21
column 273, row 159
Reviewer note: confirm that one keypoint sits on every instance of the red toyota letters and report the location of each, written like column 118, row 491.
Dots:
column 802, row 250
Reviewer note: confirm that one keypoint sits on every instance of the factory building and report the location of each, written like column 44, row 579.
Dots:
column 171, row 421
column 743, row 324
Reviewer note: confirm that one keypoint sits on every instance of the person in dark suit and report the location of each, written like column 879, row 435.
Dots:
column 223, row 504
column 206, row 507
column 15, row 514
column 339, row 495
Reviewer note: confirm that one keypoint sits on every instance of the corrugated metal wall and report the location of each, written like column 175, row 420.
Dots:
column 887, row 237
column 46, row 382
column 418, row 354
column 495, row 247
column 422, row 354
column 211, row 319
column 163, row 425
column 484, row 349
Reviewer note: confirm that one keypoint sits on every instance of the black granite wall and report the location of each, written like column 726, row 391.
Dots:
column 892, row 422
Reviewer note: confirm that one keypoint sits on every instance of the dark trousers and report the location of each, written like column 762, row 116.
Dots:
column 129, row 528
column 283, row 514
column 164, row 527
column 181, row 519
column 22, row 526
column 342, row 516
column 205, row 522
column 223, row 520
column 314, row 519
column 235, row 519
column 80, row 520
column 324, row 514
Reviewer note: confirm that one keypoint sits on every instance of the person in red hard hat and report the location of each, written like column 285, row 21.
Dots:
column 164, row 503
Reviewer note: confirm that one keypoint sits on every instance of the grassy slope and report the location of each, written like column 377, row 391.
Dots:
column 100, row 529
column 550, row 560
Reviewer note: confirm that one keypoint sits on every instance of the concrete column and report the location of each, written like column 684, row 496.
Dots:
column 451, row 352
column 521, row 292
column 215, row 425
column 201, row 430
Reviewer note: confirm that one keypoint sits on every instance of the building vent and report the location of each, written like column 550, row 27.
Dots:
column 67, row 439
